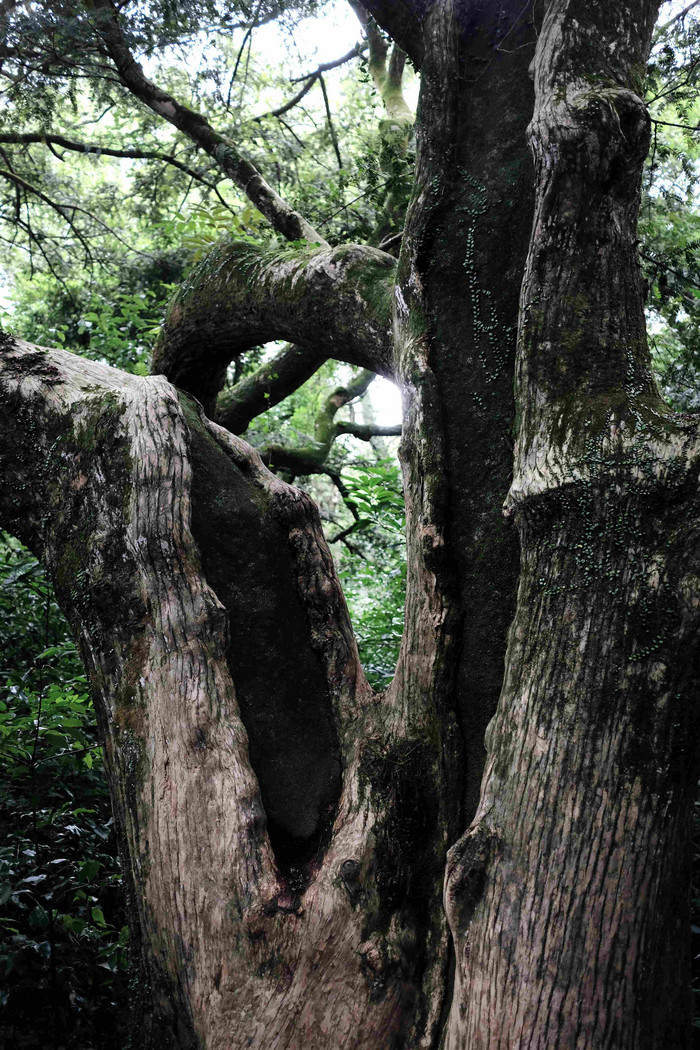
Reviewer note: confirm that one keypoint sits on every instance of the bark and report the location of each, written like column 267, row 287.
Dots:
column 285, row 829
column 270, row 822
column 402, row 19
column 457, row 306
column 568, row 896
column 335, row 302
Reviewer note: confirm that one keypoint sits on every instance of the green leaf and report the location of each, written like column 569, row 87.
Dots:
column 98, row 917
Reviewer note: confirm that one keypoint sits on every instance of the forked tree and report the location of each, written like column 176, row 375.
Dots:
column 494, row 852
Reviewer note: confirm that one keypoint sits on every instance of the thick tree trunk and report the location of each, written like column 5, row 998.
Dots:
column 567, row 897
column 277, row 818
column 284, row 829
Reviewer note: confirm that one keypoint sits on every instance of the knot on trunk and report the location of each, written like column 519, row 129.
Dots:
column 599, row 133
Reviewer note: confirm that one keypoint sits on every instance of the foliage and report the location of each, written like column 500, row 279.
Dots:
column 63, row 951
column 669, row 235
column 373, row 567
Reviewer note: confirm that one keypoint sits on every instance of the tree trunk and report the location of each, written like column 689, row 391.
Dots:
column 284, row 829
column 568, row 896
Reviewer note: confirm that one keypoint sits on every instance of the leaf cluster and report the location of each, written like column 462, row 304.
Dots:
column 64, row 941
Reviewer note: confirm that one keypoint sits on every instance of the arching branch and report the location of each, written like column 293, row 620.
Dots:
column 367, row 431
column 335, row 302
column 269, row 384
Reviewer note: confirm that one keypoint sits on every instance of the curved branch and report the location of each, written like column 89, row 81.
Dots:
column 279, row 214
column 336, row 302
column 312, row 457
column 271, row 383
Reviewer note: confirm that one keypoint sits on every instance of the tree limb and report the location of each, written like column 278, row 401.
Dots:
column 402, row 20
column 312, row 457
column 329, row 118
column 311, row 79
column 366, row 431
column 123, row 518
column 279, row 214
column 271, row 383
column 93, row 149
column 387, row 76
column 335, row 302
column 660, row 30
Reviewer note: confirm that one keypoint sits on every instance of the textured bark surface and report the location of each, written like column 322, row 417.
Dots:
column 305, row 925
column 284, row 829
column 567, row 894
column 460, row 276
column 335, row 302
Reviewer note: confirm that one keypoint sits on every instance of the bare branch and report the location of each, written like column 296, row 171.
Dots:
column 329, row 117
column 310, row 79
column 669, row 124
column 660, row 30
column 96, row 150
column 312, row 458
column 325, row 66
column 60, row 210
column 292, row 102
column 389, row 242
column 281, row 216
column 367, row 431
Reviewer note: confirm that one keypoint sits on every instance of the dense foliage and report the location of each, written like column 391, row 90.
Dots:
column 64, row 942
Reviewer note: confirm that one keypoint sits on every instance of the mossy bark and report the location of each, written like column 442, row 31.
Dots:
column 334, row 302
